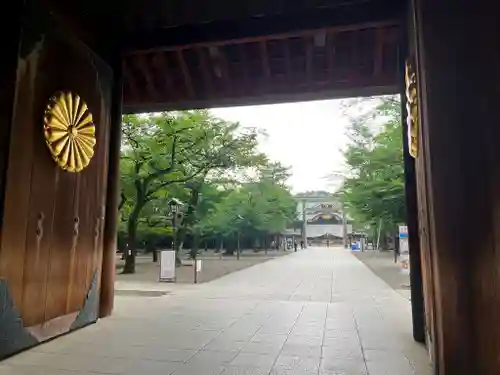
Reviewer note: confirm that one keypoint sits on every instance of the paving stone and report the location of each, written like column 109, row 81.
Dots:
column 311, row 312
column 295, row 365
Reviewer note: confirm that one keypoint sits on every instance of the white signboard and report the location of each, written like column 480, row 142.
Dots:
column 167, row 265
column 404, row 263
column 198, row 265
column 403, row 231
column 404, row 249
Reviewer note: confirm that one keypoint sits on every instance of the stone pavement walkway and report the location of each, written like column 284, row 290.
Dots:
column 318, row 311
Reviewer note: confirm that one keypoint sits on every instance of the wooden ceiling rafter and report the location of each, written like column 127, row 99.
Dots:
column 288, row 60
column 224, row 66
column 264, row 58
column 163, row 66
column 219, row 66
column 188, row 83
column 296, row 34
column 308, row 41
column 330, row 55
column 204, row 70
column 244, row 66
column 237, row 24
column 378, row 59
column 130, row 79
column 224, row 72
column 145, row 70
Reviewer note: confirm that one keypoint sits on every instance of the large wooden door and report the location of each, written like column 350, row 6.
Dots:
column 51, row 243
column 423, row 198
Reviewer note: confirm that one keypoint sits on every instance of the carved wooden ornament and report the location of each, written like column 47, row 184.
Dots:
column 412, row 108
column 69, row 131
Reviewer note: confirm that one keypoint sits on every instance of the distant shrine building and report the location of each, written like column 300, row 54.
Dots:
column 320, row 221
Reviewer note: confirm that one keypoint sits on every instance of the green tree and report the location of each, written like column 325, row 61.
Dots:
column 373, row 190
column 253, row 210
column 155, row 151
column 176, row 152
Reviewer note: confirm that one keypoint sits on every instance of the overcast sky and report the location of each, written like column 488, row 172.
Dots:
column 306, row 136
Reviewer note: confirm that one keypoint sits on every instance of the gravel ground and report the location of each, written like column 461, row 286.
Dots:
column 381, row 263
column 213, row 266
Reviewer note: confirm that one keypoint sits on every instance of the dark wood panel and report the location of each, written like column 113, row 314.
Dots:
column 39, row 232
column 18, row 184
column 411, row 187
column 110, row 232
column 10, row 39
column 460, row 132
column 58, row 281
column 51, row 216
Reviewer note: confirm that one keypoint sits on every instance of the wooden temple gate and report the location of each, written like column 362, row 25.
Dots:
column 65, row 61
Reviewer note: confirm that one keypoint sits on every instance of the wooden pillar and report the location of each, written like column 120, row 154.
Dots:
column 112, row 198
column 458, row 59
column 10, row 39
column 304, row 224
column 416, row 287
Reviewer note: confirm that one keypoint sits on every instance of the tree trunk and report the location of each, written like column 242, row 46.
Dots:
column 396, row 247
column 155, row 255
column 130, row 256
column 187, row 220
column 194, row 247
column 132, row 237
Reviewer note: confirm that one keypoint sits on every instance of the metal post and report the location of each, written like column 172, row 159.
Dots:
column 378, row 234
column 195, row 265
column 238, row 244
column 304, row 224
column 344, row 227
column 173, row 231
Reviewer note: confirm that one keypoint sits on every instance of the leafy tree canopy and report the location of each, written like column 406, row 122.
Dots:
column 373, row 189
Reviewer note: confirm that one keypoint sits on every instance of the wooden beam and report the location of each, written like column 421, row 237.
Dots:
column 223, row 65
column 146, row 71
column 163, row 65
column 309, row 59
column 288, row 60
column 330, row 55
column 264, row 59
column 204, row 69
column 130, row 79
column 185, row 72
column 244, row 40
column 363, row 86
column 243, row 57
column 378, row 59
column 362, row 15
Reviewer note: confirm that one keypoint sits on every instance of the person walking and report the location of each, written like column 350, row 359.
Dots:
column 295, row 245
column 302, row 244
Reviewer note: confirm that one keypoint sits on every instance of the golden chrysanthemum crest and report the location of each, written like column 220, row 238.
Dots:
column 413, row 119
column 69, row 131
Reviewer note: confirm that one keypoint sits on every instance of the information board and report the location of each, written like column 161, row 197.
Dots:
column 167, row 265
column 404, row 249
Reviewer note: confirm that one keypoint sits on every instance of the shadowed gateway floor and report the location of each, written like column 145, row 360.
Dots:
column 318, row 311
